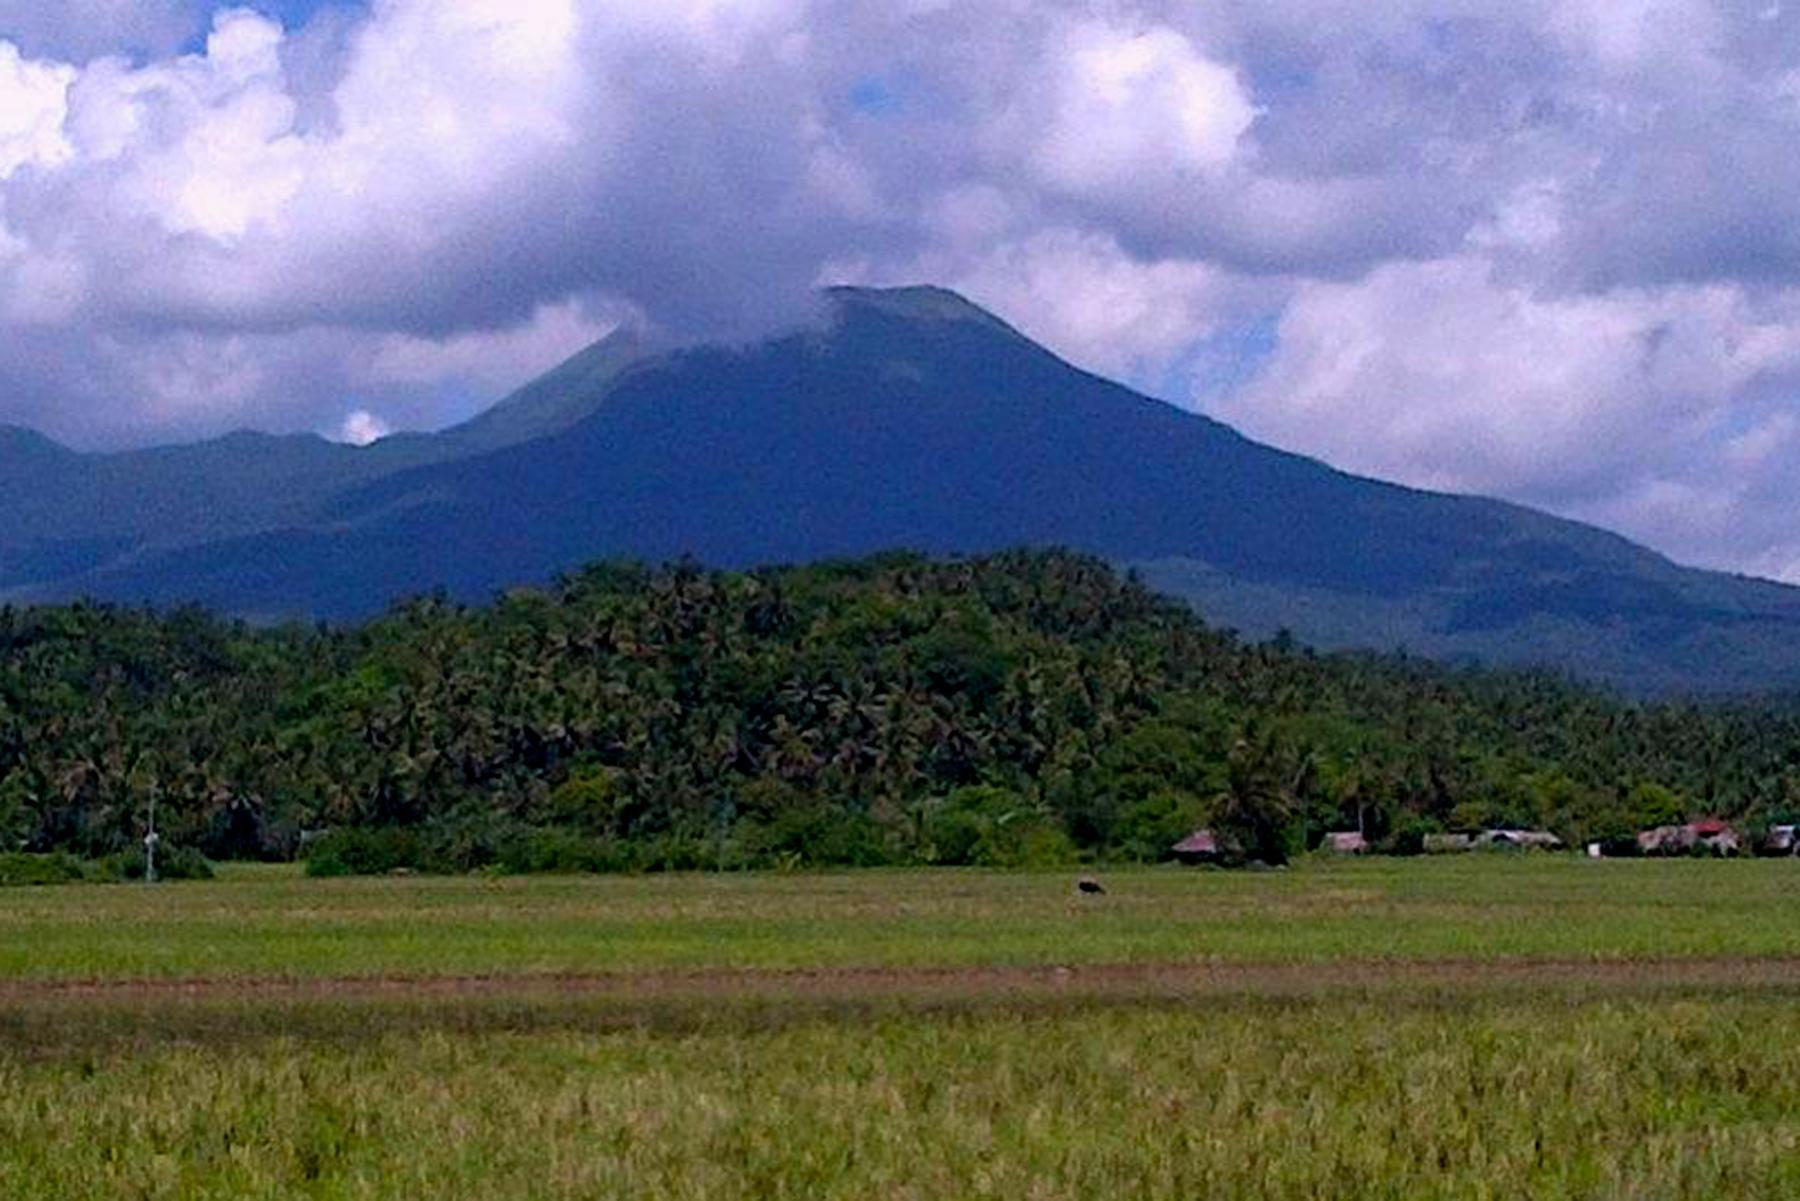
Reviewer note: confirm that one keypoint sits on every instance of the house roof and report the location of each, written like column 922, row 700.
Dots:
column 1706, row 827
column 1528, row 837
column 1200, row 842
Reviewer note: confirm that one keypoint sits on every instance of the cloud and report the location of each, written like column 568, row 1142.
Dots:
column 1544, row 249
column 498, row 360
column 1651, row 410
column 1078, row 291
column 363, row 428
column 33, row 105
column 1131, row 107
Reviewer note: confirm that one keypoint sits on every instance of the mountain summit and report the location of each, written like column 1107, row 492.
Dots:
column 905, row 418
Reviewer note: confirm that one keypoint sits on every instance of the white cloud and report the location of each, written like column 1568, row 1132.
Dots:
column 1626, row 407
column 1130, row 108
column 1440, row 374
column 1102, row 308
column 363, row 428
column 33, row 105
column 496, row 360
column 207, row 142
column 1632, row 35
column 184, row 375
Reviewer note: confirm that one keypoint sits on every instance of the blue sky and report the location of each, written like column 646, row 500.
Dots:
column 293, row 14
column 1539, row 249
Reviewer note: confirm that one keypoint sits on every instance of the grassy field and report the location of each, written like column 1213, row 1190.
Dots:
column 1448, row 1028
column 271, row 922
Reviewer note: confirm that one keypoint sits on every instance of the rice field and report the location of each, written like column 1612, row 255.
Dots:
column 1456, row 1028
column 272, row 922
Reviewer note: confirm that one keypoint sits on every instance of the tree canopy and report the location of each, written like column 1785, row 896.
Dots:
column 1019, row 707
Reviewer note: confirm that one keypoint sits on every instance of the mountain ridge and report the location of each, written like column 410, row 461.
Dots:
column 906, row 418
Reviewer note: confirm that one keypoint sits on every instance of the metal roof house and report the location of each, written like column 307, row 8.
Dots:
column 1518, row 840
column 1199, row 847
column 1712, row 835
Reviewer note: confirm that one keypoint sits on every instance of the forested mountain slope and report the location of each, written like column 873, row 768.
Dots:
column 907, row 419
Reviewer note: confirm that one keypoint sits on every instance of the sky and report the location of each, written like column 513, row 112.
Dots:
column 1547, row 250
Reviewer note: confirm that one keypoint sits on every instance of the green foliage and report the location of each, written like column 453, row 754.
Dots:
column 1407, row 836
column 984, row 826
column 635, row 719
column 359, row 852
column 587, row 800
column 59, row 867
column 1651, row 805
column 1257, row 812
column 559, row 852
column 172, row 863
column 18, row 869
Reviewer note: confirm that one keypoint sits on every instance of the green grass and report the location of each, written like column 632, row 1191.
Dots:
column 1474, row 1027
column 264, row 922
column 1252, row 1099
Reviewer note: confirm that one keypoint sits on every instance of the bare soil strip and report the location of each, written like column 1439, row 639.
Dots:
column 931, row 984
column 78, row 1019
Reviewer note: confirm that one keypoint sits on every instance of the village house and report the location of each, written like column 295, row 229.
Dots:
column 1518, row 840
column 1199, row 847
column 1709, row 835
column 1492, row 840
column 1345, row 842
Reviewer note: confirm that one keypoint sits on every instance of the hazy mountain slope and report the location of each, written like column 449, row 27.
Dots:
column 65, row 515
column 915, row 419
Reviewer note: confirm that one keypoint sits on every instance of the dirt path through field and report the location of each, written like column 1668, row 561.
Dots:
column 49, row 1019
column 931, row 984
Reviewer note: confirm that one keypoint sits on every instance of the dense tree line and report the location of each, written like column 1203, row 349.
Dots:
column 1019, row 707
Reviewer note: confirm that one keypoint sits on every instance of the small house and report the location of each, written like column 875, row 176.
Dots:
column 1518, row 840
column 1780, row 840
column 1448, row 844
column 1716, row 836
column 1345, row 842
column 1709, row 836
column 1199, row 847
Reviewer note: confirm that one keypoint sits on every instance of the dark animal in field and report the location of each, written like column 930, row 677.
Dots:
column 1090, row 886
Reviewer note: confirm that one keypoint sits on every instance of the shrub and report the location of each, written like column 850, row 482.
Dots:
column 995, row 827
column 355, row 851
column 1408, row 836
column 20, row 869
column 172, row 863
column 559, row 851
column 817, row 836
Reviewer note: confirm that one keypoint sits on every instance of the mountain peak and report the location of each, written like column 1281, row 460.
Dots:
column 562, row 397
column 916, row 302
column 910, row 418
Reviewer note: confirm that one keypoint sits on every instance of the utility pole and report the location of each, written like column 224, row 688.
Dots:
column 150, row 841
